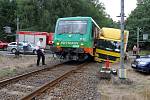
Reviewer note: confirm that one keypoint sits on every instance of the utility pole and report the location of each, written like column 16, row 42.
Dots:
column 138, row 32
column 122, row 70
column 17, row 24
column 17, row 37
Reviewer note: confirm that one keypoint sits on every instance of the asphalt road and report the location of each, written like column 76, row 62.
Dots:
column 6, row 53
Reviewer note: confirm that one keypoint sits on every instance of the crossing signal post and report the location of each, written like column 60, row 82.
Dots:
column 17, row 38
column 122, row 70
column 138, row 31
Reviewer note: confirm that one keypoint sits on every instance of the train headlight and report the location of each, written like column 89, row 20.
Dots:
column 82, row 39
column 81, row 44
column 58, row 43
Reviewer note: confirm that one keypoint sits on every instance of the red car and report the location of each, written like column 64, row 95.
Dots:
column 3, row 45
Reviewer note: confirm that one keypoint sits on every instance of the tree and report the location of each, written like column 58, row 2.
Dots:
column 139, row 18
column 41, row 15
column 7, row 16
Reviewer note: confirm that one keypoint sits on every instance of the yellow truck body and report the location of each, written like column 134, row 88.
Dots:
column 108, row 37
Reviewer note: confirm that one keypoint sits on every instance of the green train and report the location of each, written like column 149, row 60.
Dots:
column 75, row 37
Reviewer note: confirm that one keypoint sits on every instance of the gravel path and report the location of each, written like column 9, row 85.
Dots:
column 80, row 86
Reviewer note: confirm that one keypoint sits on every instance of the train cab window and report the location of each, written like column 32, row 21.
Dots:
column 95, row 32
column 72, row 26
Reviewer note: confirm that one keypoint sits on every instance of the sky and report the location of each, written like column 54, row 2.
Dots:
column 113, row 7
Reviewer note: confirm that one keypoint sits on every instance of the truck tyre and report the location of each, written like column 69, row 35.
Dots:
column 13, row 50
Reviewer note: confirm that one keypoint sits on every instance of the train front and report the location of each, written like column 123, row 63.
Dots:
column 72, row 38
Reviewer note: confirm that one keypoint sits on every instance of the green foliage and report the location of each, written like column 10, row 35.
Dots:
column 144, row 52
column 139, row 18
column 41, row 15
column 7, row 16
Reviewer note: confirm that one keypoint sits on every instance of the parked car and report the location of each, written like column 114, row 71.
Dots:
column 142, row 64
column 3, row 45
column 12, row 47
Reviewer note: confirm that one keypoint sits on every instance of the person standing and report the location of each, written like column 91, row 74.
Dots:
column 25, row 46
column 134, row 50
column 40, row 52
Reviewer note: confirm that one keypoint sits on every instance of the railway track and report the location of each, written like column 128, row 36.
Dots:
column 30, row 85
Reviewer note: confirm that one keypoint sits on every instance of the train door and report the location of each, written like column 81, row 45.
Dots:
column 95, row 35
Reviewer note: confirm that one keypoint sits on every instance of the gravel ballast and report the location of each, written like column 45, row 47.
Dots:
column 80, row 86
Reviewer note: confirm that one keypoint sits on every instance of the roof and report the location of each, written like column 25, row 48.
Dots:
column 79, row 18
column 32, row 33
column 112, row 34
column 75, row 18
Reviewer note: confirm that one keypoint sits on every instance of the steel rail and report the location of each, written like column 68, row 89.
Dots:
column 17, row 78
column 51, row 84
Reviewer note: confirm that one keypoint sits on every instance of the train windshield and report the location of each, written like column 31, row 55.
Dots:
column 109, row 45
column 73, row 27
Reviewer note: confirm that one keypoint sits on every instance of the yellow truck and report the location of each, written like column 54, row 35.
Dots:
column 108, row 44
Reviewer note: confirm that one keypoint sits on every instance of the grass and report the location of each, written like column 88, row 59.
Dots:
column 126, row 92
column 7, row 72
column 10, row 65
column 145, row 52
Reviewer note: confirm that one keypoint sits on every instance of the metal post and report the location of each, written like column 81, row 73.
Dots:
column 17, row 36
column 138, row 31
column 122, row 71
column 17, row 24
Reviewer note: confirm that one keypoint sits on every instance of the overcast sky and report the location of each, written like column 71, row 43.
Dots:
column 113, row 7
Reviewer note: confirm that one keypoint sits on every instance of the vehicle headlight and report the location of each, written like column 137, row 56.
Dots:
column 143, row 63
